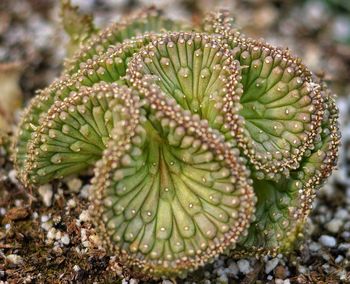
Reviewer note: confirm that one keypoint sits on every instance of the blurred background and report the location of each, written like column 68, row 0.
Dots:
column 33, row 47
column 316, row 30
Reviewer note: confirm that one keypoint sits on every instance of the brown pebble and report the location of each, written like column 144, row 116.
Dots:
column 280, row 272
column 14, row 214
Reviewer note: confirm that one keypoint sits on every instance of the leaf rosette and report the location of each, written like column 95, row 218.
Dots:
column 203, row 141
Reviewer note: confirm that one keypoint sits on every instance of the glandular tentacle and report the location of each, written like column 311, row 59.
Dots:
column 283, row 206
column 176, row 197
column 136, row 24
column 109, row 67
column 199, row 73
column 221, row 23
column 103, row 58
column 76, row 130
column 281, row 104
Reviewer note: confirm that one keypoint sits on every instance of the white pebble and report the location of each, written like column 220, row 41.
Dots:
column 14, row 259
column 344, row 246
column 85, row 191
column 326, row 267
column 51, row 233
column 302, row 269
column 327, row 241
column 46, row 226
column 76, row 268
column 271, row 265
column 58, row 235
column 342, row 214
column 2, row 211
column 339, row 259
column 84, row 216
column 65, row 239
column 74, row 184
column 222, row 279
column 95, row 240
column 244, row 266
column 334, row 225
column 314, row 246
column 233, row 269
column 13, row 176
column 44, row 218
column 35, row 215
column 46, row 193
column 83, row 235
column 347, row 226
column 343, row 275
column 71, row 203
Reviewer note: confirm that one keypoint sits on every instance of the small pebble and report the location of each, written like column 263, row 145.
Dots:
column 334, row 225
column 344, row 246
column 328, row 241
column 46, row 193
column 85, row 191
column 74, row 184
column 343, row 275
column 84, row 216
column 58, row 235
column 339, row 259
column 71, row 203
column 44, row 218
column 244, row 266
column 13, row 176
column 233, row 269
column 222, row 279
column 326, row 267
column 46, row 226
column 342, row 214
column 315, row 247
column 65, row 239
column 14, row 259
column 51, row 233
column 270, row 265
column 302, row 269
column 2, row 211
